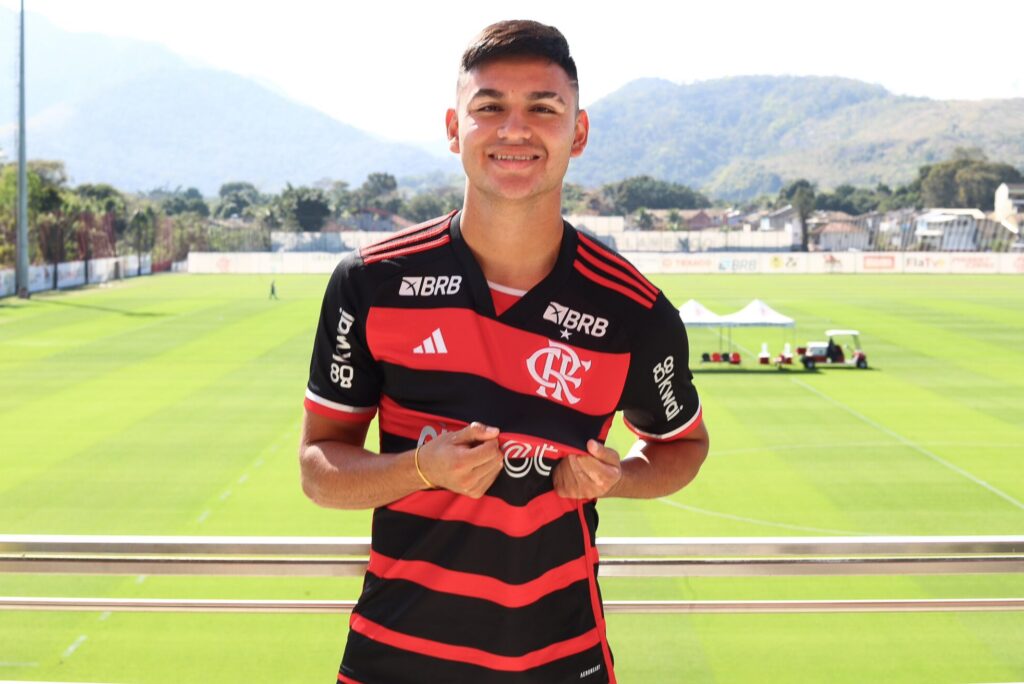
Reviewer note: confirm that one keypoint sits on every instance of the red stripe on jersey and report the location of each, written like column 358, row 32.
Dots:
column 620, row 275
column 487, row 511
column 587, row 381
column 403, row 422
column 335, row 414
column 475, row 656
column 347, row 680
column 595, row 597
column 646, row 303
column 640, row 279
column 437, row 578
column 418, row 233
column 418, row 247
column 606, row 428
column 680, row 432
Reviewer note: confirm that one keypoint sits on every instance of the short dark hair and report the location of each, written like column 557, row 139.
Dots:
column 520, row 38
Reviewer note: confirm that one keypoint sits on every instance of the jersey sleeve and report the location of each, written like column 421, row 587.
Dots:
column 344, row 379
column 659, row 401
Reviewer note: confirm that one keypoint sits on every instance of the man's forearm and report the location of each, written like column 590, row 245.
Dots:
column 340, row 475
column 660, row 469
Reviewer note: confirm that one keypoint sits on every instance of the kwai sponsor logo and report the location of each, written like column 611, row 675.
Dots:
column 571, row 319
column 664, row 374
column 342, row 371
column 430, row 286
column 556, row 369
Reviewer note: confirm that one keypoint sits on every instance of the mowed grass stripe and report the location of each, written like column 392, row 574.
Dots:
column 88, row 412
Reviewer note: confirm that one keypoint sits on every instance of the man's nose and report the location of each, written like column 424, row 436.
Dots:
column 514, row 127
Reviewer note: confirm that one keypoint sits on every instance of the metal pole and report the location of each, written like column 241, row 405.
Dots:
column 21, row 276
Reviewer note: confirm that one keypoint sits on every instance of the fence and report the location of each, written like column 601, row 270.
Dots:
column 621, row 557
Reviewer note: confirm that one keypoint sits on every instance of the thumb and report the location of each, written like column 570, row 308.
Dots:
column 601, row 452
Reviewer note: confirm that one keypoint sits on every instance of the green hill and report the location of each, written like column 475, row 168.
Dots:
column 740, row 136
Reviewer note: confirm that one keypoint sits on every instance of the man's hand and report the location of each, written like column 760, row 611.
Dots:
column 465, row 462
column 588, row 477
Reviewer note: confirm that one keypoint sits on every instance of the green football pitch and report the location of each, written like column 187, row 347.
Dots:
column 170, row 405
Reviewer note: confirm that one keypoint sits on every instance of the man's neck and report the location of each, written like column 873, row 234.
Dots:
column 515, row 243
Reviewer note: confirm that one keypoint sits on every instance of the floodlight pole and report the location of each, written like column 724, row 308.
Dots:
column 21, row 276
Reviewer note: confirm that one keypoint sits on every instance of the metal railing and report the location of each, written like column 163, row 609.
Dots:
column 621, row 557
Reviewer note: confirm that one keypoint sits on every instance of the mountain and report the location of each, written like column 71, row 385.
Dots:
column 138, row 117
column 737, row 137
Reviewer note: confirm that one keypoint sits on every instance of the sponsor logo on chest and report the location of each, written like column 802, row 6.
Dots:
column 520, row 458
column 430, row 286
column 571, row 319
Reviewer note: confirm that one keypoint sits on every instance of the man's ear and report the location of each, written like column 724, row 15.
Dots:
column 451, row 121
column 582, row 134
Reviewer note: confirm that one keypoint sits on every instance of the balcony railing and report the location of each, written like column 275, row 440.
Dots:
column 621, row 557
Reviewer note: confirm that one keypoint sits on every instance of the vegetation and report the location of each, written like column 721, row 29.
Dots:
column 97, row 220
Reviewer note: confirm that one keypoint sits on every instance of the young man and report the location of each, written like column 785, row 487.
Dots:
column 497, row 344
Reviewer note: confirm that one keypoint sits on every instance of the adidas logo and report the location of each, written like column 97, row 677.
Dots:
column 432, row 345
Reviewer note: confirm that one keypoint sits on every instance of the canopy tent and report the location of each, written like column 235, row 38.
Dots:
column 757, row 313
column 696, row 315
column 754, row 314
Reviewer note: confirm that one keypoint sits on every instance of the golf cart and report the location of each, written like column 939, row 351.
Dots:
column 832, row 354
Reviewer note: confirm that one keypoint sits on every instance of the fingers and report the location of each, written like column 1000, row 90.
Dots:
column 588, row 477
column 475, row 432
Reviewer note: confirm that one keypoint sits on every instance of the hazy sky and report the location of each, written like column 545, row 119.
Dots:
column 389, row 67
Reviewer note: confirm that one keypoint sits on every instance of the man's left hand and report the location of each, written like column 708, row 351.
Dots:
column 588, row 477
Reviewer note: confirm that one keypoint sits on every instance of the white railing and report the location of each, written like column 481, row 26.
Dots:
column 621, row 557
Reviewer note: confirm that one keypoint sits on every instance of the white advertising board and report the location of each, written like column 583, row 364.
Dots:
column 40, row 278
column 71, row 274
column 8, row 280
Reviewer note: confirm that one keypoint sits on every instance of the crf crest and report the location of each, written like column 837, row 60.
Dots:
column 556, row 368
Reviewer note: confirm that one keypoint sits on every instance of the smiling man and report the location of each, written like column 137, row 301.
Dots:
column 497, row 343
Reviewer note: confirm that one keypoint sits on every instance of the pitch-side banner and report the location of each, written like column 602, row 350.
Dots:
column 7, row 283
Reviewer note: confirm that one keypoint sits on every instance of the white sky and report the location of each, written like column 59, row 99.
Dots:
column 389, row 67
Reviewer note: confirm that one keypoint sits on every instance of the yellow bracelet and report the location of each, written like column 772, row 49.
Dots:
column 416, row 462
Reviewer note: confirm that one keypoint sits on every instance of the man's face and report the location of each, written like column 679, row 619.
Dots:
column 516, row 126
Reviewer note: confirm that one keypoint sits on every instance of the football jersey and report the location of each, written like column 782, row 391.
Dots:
column 501, row 589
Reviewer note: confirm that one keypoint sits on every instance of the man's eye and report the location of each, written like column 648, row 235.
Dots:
column 489, row 108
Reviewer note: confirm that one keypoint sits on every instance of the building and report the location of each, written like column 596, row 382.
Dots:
column 950, row 230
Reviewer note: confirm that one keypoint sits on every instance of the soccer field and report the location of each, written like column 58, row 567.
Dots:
column 170, row 405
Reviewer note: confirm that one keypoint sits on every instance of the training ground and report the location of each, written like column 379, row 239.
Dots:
column 170, row 405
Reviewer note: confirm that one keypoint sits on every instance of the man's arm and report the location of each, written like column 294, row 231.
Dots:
column 337, row 472
column 649, row 471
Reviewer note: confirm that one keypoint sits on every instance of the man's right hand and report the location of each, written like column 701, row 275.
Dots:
column 466, row 462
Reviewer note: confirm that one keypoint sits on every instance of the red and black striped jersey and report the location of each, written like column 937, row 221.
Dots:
column 500, row 589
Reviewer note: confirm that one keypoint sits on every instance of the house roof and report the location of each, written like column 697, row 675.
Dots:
column 837, row 227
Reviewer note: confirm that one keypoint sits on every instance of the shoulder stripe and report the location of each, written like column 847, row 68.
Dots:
column 621, row 289
column 678, row 433
column 423, row 231
column 475, row 656
column 443, row 580
column 617, row 273
column 331, row 409
column 638, row 278
column 413, row 249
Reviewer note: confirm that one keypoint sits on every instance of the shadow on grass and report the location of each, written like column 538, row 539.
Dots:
column 794, row 370
column 109, row 309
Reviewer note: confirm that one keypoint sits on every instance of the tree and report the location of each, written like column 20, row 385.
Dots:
column 302, row 208
column 236, row 198
column 190, row 201
column 643, row 191
column 800, row 195
column 141, row 233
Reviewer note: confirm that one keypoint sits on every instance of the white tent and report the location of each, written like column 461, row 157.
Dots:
column 696, row 315
column 757, row 313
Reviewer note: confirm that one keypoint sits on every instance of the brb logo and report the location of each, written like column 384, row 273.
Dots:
column 555, row 368
column 427, row 286
column 571, row 319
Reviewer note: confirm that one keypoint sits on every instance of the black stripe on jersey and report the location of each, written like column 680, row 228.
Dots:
column 370, row 662
column 484, row 551
column 404, row 238
column 623, row 274
column 460, row 395
column 476, row 623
